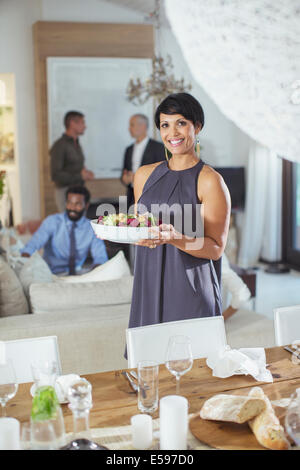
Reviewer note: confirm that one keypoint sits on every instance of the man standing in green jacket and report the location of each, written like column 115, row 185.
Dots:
column 67, row 159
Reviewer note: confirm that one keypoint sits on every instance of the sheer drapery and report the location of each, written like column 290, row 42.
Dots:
column 262, row 218
column 271, row 241
column 246, row 56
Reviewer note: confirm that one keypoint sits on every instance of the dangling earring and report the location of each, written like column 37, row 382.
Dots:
column 166, row 154
column 198, row 148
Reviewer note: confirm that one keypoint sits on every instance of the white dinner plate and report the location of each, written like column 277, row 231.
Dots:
column 120, row 234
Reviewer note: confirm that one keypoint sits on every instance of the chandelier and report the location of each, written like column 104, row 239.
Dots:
column 161, row 82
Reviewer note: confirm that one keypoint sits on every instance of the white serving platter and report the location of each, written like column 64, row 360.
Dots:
column 120, row 234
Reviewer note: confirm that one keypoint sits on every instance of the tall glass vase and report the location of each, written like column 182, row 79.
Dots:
column 46, row 413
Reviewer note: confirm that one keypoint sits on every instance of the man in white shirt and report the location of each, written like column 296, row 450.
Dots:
column 235, row 293
column 142, row 152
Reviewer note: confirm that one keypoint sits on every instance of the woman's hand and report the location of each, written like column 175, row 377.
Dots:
column 164, row 233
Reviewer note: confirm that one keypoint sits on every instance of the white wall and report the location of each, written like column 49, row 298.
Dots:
column 90, row 11
column 16, row 56
column 224, row 144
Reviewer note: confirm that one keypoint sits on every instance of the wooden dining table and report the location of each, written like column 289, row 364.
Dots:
column 114, row 401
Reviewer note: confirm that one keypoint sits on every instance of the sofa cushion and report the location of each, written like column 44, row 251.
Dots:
column 12, row 297
column 90, row 340
column 32, row 270
column 114, row 268
column 63, row 296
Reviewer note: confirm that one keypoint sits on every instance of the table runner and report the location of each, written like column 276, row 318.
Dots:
column 120, row 438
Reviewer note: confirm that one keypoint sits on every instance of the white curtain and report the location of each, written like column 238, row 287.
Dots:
column 262, row 218
column 271, row 241
column 246, row 56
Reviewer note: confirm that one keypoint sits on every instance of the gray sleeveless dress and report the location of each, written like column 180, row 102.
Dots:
column 170, row 284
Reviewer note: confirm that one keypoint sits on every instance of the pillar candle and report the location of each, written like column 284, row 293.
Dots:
column 9, row 434
column 141, row 426
column 173, row 423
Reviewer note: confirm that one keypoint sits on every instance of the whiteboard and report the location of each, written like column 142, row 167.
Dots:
column 97, row 88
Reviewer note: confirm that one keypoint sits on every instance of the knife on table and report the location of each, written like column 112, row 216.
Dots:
column 130, row 380
column 292, row 351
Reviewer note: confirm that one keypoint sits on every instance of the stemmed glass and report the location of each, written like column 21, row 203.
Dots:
column 8, row 384
column 179, row 357
column 44, row 373
column 25, row 436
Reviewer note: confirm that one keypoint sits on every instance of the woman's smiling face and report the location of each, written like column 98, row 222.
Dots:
column 178, row 133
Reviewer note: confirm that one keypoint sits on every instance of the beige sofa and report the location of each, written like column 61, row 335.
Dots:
column 91, row 338
column 90, row 318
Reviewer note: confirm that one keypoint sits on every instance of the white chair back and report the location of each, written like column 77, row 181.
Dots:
column 150, row 342
column 286, row 324
column 23, row 352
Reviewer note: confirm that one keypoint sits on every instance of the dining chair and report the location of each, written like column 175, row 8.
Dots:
column 286, row 324
column 150, row 342
column 22, row 352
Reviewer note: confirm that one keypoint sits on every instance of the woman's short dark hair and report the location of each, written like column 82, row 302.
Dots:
column 79, row 190
column 181, row 103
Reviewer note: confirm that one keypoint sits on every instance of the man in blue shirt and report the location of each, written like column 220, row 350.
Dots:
column 68, row 238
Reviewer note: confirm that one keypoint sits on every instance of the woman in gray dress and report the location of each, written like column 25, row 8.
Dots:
column 177, row 273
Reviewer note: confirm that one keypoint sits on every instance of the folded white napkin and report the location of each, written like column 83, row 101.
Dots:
column 2, row 353
column 62, row 385
column 244, row 361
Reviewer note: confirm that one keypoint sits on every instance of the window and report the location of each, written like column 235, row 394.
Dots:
column 291, row 214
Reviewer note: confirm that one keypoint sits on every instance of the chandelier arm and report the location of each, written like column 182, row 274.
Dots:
column 161, row 81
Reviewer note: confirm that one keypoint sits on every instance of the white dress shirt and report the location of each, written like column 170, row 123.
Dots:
column 233, row 286
column 137, row 154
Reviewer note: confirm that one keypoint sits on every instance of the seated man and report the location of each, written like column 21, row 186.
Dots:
column 67, row 238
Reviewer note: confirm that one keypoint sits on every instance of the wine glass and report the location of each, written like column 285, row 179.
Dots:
column 8, row 384
column 179, row 357
column 292, row 417
column 44, row 373
column 25, row 436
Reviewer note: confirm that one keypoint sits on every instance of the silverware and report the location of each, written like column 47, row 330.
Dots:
column 144, row 386
column 130, row 380
column 132, row 375
column 292, row 352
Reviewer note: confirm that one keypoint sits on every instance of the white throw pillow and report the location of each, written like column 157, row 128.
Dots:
column 115, row 268
column 12, row 297
column 34, row 270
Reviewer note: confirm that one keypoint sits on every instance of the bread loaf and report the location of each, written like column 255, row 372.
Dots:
column 234, row 408
column 266, row 426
